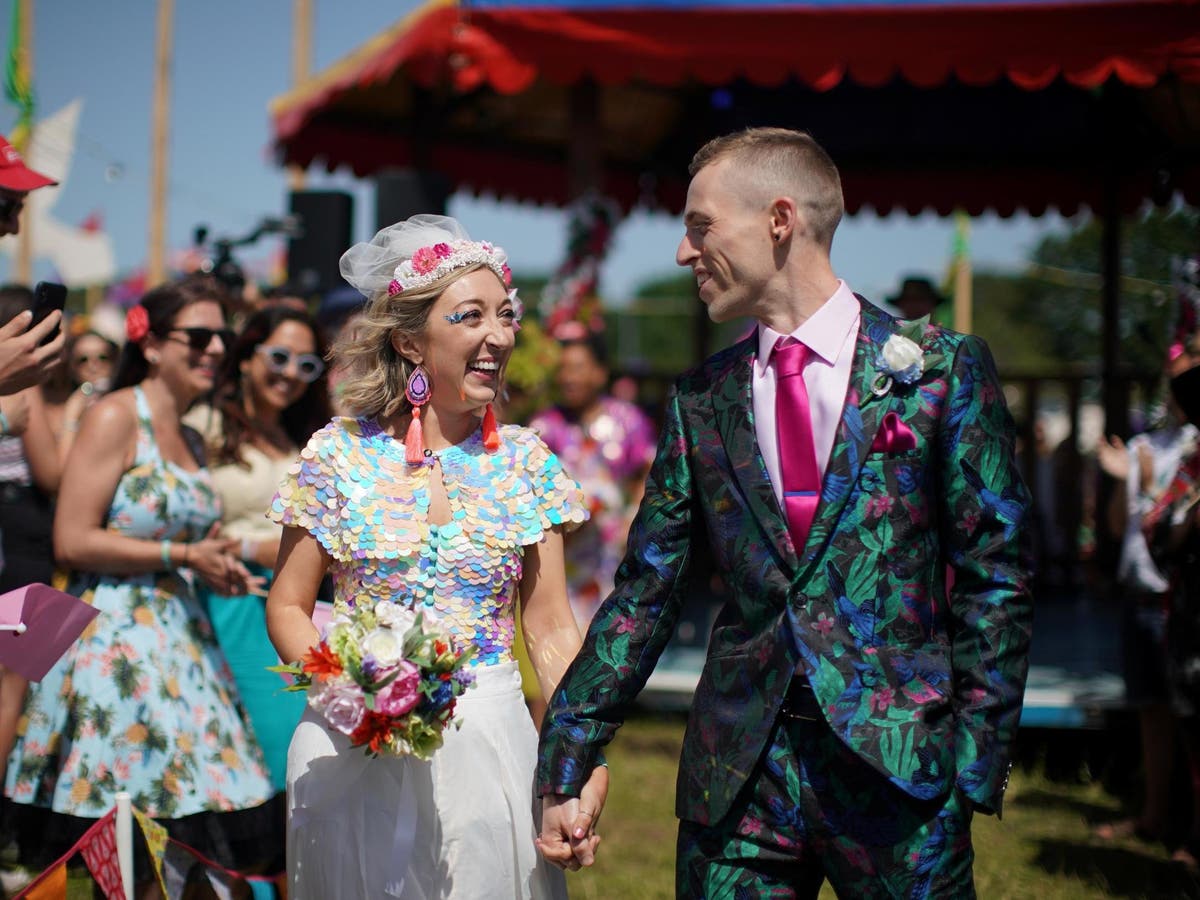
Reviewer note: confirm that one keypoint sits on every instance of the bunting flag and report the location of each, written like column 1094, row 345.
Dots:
column 156, row 843
column 173, row 862
column 99, row 850
column 18, row 85
column 50, row 885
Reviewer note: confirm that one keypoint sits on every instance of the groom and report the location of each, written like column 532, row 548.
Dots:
column 835, row 469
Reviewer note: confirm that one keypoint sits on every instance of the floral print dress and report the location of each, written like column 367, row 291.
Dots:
column 605, row 456
column 144, row 701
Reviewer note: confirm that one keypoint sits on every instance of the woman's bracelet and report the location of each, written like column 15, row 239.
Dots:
column 165, row 552
column 249, row 548
column 3, row 422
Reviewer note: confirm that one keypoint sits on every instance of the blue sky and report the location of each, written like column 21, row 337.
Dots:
column 232, row 57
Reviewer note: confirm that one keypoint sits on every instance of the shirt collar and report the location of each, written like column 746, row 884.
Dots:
column 824, row 332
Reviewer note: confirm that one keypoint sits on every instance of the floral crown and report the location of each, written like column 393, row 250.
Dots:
column 436, row 261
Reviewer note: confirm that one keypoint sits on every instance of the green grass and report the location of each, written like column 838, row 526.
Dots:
column 1041, row 849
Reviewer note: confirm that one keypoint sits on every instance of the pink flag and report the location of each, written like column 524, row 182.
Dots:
column 37, row 625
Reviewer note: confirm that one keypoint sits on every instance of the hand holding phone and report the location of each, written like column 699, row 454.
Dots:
column 47, row 297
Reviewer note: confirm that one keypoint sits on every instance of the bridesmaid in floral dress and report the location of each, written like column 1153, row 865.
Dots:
column 144, row 701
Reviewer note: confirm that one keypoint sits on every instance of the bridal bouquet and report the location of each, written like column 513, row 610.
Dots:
column 386, row 678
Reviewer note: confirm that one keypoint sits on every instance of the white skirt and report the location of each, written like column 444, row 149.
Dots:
column 461, row 825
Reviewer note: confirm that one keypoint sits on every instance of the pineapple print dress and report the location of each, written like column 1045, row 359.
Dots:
column 144, row 701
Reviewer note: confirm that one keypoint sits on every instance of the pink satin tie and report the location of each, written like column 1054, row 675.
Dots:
column 797, row 453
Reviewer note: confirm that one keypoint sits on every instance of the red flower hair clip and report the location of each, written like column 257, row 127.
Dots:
column 137, row 323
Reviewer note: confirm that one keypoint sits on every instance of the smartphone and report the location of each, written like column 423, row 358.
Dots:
column 47, row 297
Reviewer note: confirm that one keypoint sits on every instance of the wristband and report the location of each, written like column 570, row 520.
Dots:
column 165, row 547
column 3, row 422
column 248, row 548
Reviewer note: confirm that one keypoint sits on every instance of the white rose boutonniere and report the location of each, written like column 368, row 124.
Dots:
column 901, row 360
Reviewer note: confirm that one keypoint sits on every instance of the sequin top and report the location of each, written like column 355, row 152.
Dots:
column 352, row 490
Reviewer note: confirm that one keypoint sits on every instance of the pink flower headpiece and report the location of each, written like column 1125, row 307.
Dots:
column 431, row 263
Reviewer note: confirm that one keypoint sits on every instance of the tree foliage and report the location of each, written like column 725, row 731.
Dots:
column 1060, row 295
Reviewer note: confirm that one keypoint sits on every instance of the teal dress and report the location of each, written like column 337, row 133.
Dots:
column 240, row 622
column 144, row 701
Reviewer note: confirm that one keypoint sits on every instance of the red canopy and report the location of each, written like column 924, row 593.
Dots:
column 491, row 81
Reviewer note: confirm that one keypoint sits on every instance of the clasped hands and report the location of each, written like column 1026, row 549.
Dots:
column 568, row 837
column 214, row 559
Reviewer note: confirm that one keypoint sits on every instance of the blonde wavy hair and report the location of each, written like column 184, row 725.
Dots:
column 375, row 372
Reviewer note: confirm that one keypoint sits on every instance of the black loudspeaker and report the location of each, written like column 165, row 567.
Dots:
column 326, row 224
column 400, row 193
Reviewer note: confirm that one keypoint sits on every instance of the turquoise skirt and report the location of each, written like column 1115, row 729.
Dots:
column 240, row 624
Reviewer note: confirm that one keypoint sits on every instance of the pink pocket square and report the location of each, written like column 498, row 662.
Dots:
column 893, row 436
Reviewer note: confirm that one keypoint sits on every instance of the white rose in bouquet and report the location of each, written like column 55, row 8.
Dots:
column 385, row 647
column 394, row 615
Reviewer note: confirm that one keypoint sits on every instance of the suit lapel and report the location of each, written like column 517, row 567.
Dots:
column 734, row 412
column 862, row 414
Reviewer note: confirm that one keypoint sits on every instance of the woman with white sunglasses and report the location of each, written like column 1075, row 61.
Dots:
column 269, row 398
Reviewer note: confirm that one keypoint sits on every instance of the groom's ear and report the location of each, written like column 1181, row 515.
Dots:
column 785, row 220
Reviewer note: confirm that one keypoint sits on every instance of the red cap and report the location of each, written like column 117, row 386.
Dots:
column 15, row 175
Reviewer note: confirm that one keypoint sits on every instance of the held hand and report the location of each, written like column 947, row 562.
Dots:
column 214, row 560
column 237, row 579
column 568, row 838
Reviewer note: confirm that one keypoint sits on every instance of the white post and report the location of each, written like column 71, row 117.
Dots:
column 125, row 841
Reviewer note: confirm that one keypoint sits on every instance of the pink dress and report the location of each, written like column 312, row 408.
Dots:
column 603, row 456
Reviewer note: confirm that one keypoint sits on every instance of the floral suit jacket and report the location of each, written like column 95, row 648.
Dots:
column 923, row 682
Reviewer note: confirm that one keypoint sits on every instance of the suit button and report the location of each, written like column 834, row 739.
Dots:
column 802, row 599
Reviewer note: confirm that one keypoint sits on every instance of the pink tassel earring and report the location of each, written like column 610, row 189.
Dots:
column 418, row 391
column 491, row 435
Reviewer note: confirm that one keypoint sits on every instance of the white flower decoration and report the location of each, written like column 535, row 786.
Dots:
column 385, row 647
column 902, row 360
column 395, row 616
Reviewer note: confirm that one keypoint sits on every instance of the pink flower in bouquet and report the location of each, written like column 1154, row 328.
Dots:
column 402, row 694
column 342, row 705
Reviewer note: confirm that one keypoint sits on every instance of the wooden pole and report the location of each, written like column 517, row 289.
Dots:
column 1116, row 410
column 301, row 68
column 963, row 302
column 23, row 265
column 156, row 252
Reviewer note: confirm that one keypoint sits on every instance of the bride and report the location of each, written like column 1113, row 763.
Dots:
column 421, row 499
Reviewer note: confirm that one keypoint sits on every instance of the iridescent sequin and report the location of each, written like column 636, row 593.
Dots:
column 353, row 491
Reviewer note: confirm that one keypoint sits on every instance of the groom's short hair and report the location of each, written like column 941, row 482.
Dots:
column 787, row 162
